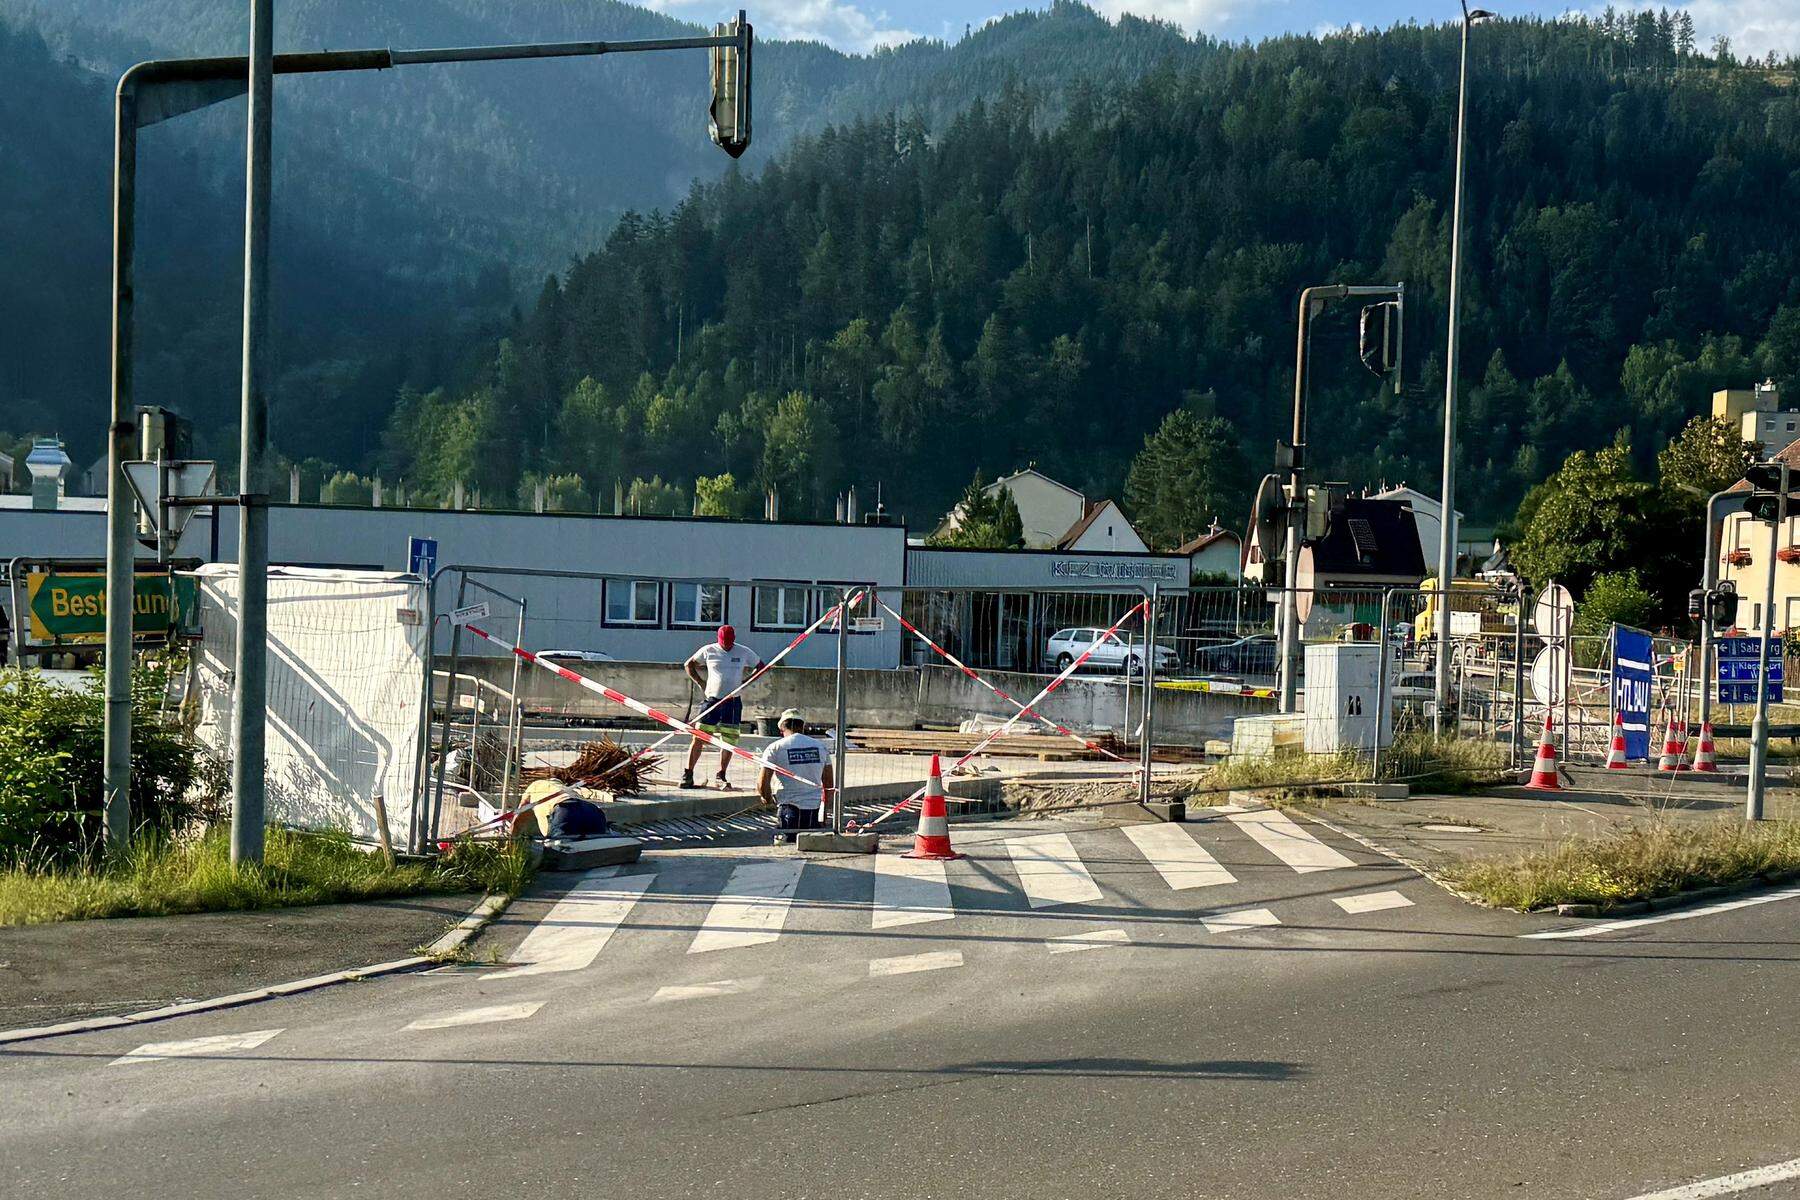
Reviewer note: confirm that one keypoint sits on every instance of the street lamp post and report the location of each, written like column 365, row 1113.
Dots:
column 1447, row 503
column 155, row 91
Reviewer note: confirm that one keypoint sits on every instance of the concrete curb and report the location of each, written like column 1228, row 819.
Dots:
column 1635, row 908
column 453, row 940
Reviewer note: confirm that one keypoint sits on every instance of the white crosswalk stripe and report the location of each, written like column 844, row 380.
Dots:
column 1277, row 833
column 578, row 926
column 1178, row 858
column 698, row 991
column 1247, row 918
column 1099, row 939
column 752, row 908
column 1371, row 902
column 1050, row 871
column 907, row 964
column 909, row 891
column 199, row 1047
column 479, row 1016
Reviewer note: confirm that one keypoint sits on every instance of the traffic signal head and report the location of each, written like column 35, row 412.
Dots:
column 1763, row 506
column 1724, row 606
column 1697, row 604
column 730, row 112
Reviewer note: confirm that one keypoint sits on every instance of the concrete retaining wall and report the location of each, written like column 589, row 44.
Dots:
column 901, row 698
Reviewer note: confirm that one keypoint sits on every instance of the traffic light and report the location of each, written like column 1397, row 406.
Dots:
column 1378, row 338
column 1724, row 605
column 1764, row 504
column 1697, row 605
column 730, row 111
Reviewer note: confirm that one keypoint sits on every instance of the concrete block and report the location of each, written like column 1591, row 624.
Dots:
column 584, row 854
column 1167, row 810
column 823, row 841
column 1375, row 791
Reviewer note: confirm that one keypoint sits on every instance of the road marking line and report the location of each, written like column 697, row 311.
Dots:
column 1684, row 915
column 909, row 891
column 1370, row 902
column 578, row 926
column 217, row 1044
column 479, row 1016
column 753, row 907
column 1726, row 1185
column 1276, row 832
column 1100, row 939
column 1246, row 918
column 722, row 987
column 1177, row 857
column 1050, row 871
column 906, row 964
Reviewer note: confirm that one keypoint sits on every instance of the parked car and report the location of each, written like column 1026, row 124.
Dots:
column 1415, row 687
column 1114, row 653
column 1253, row 655
column 575, row 656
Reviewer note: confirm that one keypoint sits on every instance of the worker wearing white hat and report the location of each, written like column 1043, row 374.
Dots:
column 797, row 801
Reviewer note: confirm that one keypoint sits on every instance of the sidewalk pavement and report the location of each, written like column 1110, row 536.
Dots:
column 1433, row 831
column 74, row 969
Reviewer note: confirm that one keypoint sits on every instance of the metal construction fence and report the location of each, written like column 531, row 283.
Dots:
column 1097, row 687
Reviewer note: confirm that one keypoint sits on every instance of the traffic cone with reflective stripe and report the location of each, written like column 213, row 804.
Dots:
column 1706, row 758
column 1615, row 758
column 1543, row 771
column 933, row 837
column 1673, row 751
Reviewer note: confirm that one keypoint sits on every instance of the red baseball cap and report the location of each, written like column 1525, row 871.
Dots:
column 727, row 636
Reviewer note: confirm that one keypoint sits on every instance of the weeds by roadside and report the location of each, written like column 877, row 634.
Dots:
column 1443, row 764
column 159, row 876
column 1651, row 860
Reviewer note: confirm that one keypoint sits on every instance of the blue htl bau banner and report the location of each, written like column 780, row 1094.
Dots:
column 1631, row 681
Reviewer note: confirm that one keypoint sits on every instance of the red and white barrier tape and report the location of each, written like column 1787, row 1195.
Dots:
column 755, row 675
column 618, row 697
column 1141, row 606
column 1024, row 709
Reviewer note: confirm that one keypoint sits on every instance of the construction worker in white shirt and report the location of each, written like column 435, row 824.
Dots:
column 797, row 800
column 719, row 668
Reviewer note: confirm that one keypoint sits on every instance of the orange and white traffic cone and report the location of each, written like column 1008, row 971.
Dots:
column 1674, row 750
column 1706, row 758
column 1543, row 771
column 1615, row 757
column 933, row 837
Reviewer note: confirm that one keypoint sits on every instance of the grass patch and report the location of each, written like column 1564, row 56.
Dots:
column 159, row 876
column 1656, row 859
column 1440, row 764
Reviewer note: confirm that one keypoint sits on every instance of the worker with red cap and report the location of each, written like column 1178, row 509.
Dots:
column 719, row 668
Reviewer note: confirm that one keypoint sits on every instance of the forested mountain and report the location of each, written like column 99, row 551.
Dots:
column 900, row 303
column 413, row 206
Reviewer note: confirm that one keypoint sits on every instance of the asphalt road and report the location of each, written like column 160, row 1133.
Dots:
column 721, row 1023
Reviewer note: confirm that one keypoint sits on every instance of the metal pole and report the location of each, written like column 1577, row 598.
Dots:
column 1296, row 524
column 1381, row 683
column 249, row 712
column 1518, row 696
column 516, row 727
column 1716, row 507
column 1759, row 727
column 437, row 803
column 840, row 753
column 421, row 792
column 121, row 554
column 1146, row 732
column 1447, row 501
column 1568, row 669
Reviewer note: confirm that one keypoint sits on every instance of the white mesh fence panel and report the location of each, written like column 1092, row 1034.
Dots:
column 346, row 677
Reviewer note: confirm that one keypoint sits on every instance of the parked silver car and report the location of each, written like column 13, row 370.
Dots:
column 1112, row 653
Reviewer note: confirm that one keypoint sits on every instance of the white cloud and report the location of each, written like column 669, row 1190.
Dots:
column 1192, row 15
column 1754, row 26
column 840, row 23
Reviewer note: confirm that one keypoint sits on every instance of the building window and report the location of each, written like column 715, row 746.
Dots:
column 632, row 601
column 826, row 596
column 779, row 607
column 696, row 605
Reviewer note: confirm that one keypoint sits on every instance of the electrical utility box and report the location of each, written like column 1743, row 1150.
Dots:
column 1342, row 682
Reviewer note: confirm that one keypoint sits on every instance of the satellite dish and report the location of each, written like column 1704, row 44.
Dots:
column 1267, row 527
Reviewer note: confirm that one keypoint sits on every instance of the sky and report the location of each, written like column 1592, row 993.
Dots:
column 1754, row 26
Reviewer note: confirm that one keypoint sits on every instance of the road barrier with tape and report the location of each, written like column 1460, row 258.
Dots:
column 1143, row 606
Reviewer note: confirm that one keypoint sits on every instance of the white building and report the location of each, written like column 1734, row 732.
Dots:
column 1057, row 517
column 1756, row 414
column 1215, row 553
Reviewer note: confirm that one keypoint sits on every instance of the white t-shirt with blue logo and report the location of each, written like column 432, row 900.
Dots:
column 725, row 669
column 806, row 757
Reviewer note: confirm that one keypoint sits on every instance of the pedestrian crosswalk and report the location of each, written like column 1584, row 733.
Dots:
column 1222, row 875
